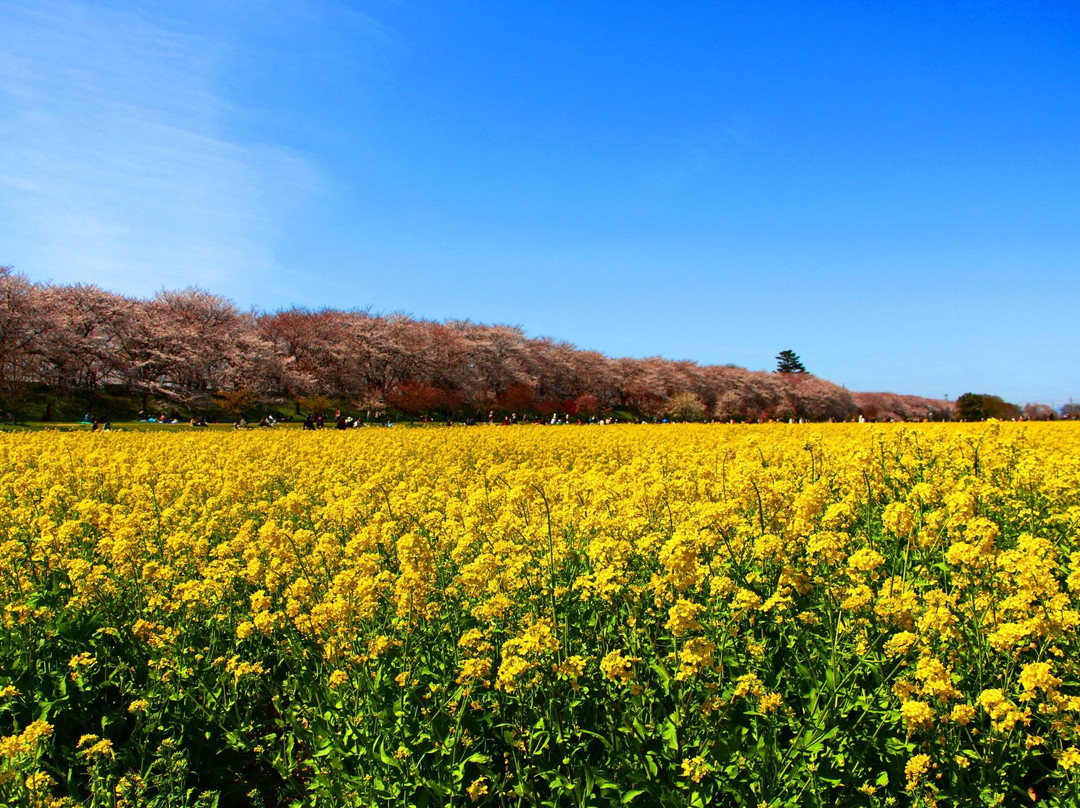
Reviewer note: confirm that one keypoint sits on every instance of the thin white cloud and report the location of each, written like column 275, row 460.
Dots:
column 116, row 163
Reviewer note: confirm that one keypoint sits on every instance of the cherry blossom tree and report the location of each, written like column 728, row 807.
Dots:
column 189, row 345
column 895, row 407
column 81, row 350
column 686, row 406
column 25, row 320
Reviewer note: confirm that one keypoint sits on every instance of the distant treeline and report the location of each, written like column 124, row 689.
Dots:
column 191, row 347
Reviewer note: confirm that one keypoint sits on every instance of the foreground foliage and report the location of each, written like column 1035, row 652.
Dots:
column 769, row 615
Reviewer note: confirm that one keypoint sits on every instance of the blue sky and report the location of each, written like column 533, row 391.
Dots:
column 890, row 189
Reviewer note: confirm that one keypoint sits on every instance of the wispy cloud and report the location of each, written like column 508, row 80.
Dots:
column 117, row 165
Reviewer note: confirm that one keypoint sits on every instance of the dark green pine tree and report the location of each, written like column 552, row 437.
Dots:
column 789, row 362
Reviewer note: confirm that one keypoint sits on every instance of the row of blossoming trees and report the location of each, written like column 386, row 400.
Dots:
column 189, row 345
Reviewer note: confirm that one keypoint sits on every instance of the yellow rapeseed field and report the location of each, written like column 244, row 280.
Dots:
column 777, row 615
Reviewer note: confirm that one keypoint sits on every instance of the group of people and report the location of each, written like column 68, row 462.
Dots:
column 148, row 418
column 96, row 423
column 341, row 421
column 556, row 418
column 266, row 421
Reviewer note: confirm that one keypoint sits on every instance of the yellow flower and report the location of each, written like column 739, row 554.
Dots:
column 745, row 600
column 39, row 781
column 1036, row 676
column 571, row 668
column 695, row 768
column 770, row 702
column 381, row 644
column 938, row 616
column 748, row 685
column 510, row 672
column 240, row 669
column 918, row 716
column 916, row 767
column 80, row 663
column 260, row 602
column 1069, row 758
column 618, row 668
column 900, row 643
column 1004, row 715
column 477, row 789
column 898, row 519
column 857, row 598
column 94, row 747
column 478, row 670
column 962, row 714
column 27, row 741
column 522, row 559
column 682, row 617
column 865, row 560
column 936, row 679
column 695, row 656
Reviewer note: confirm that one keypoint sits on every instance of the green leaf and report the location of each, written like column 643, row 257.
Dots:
column 670, row 733
column 384, row 757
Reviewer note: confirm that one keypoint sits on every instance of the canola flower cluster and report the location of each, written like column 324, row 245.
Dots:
column 771, row 615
